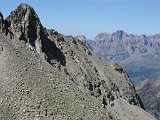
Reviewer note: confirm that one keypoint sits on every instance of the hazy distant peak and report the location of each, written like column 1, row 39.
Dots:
column 119, row 33
column 103, row 36
column 108, row 36
column 155, row 37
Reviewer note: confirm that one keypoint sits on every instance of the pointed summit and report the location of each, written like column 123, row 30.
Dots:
column 25, row 24
column 120, row 32
column 24, row 10
column 24, row 6
column 103, row 36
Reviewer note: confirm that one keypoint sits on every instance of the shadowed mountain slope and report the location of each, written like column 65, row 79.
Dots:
column 138, row 54
column 45, row 75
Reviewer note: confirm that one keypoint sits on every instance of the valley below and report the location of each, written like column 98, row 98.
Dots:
column 139, row 55
column 45, row 75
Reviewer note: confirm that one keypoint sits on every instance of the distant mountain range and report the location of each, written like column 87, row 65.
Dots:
column 138, row 54
column 45, row 75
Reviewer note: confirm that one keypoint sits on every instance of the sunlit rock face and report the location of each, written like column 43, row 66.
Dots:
column 138, row 54
column 45, row 75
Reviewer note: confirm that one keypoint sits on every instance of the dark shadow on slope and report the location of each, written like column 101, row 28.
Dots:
column 52, row 52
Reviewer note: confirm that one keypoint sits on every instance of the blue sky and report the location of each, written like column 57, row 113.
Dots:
column 90, row 17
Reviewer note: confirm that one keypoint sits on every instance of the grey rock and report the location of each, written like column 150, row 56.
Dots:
column 1, row 49
column 130, row 51
column 81, row 37
column 24, row 24
column 60, row 78
column 103, row 36
column 149, row 93
column 138, row 55
column 1, row 22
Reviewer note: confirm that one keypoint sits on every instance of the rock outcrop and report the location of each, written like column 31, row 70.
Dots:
column 45, row 75
column 24, row 24
column 133, row 52
column 139, row 55
column 149, row 91
column 81, row 37
column 120, row 46
column 3, row 25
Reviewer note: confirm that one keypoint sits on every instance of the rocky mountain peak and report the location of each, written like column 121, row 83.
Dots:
column 70, row 83
column 119, row 33
column 25, row 12
column 81, row 37
column 108, row 36
column 103, row 36
column 25, row 24
column 126, row 48
column 24, row 6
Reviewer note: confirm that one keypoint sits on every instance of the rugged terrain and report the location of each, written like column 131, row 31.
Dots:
column 45, row 75
column 138, row 54
column 149, row 91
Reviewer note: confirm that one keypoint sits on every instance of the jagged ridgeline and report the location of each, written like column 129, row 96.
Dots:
column 45, row 75
column 138, row 54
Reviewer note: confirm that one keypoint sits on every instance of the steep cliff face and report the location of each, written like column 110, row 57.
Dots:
column 24, row 24
column 121, row 46
column 139, row 55
column 46, row 75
